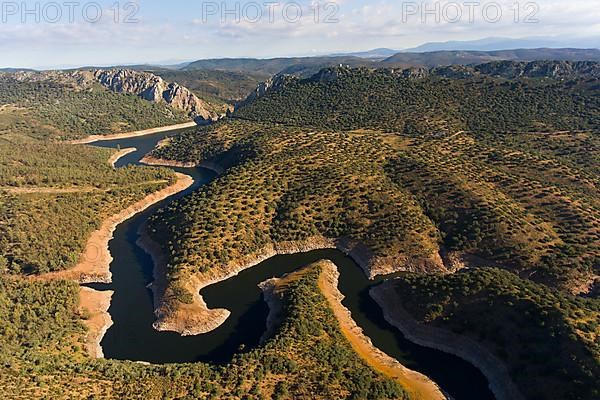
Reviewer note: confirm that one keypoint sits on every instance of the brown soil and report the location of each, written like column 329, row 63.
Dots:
column 116, row 136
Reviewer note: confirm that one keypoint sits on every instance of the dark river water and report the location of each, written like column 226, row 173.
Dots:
column 133, row 338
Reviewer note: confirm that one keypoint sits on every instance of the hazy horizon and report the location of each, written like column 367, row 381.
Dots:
column 61, row 35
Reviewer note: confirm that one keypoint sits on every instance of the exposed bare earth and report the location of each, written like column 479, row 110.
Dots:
column 121, row 153
column 116, row 136
column 94, row 305
column 467, row 349
column 196, row 318
column 94, row 265
column 417, row 385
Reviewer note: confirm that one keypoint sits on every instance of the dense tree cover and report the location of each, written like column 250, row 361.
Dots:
column 52, row 196
column 216, row 86
column 56, row 110
column 307, row 358
column 549, row 341
column 288, row 185
column 342, row 98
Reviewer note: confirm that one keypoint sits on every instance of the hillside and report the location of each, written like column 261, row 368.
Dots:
column 548, row 341
column 217, row 86
column 381, row 58
column 55, row 107
column 466, row 57
column 307, row 356
column 52, row 196
column 429, row 173
column 272, row 66
column 444, row 100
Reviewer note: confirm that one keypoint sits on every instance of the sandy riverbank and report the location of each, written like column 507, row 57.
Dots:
column 94, row 265
column 417, row 385
column 94, row 305
column 500, row 382
column 117, row 136
column 196, row 318
column 120, row 154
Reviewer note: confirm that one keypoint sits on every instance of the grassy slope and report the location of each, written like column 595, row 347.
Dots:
column 308, row 357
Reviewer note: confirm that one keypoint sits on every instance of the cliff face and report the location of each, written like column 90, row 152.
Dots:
column 153, row 88
column 143, row 84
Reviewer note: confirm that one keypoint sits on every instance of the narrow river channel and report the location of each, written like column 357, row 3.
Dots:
column 133, row 338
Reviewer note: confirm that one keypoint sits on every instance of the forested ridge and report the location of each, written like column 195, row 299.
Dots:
column 549, row 341
column 422, row 102
column 486, row 171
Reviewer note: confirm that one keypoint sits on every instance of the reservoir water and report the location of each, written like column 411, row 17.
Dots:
column 132, row 336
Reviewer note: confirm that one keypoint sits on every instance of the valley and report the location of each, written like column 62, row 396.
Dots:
column 457, row 207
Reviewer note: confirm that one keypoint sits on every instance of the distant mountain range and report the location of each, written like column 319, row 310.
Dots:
column 307, row 66
column 380, row 53
column 441, row 58
column 272, row 66
column 499, row 43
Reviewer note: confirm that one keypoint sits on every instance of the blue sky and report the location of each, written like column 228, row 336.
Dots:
column 168, row 31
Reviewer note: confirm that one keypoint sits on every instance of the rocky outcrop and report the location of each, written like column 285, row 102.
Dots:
column 153, row 88
column 541, row 69
column 139, row 83
column 275, row 83
column 494, row 370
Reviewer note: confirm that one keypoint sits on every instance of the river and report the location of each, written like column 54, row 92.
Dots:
column 132, row 336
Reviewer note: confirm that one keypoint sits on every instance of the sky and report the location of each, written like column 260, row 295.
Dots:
column 68, row 33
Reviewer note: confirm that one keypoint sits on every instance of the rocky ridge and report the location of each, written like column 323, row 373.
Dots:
column 139, row 83
column 153, row 88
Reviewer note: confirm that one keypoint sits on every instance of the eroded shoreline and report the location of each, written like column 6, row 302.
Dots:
column 94, row 265
column 196, row 318
column 419, row 386
column 127, row 135
column 494, row 369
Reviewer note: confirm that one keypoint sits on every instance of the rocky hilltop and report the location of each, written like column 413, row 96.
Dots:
column 153, row 88
column 558, row 70
column 143, row 84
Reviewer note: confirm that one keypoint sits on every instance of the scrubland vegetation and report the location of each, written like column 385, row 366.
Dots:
column 549, row 341
column 218, row 87
column 390, row 101
column 54, row 195
column 55, row 110
column 501, row 173
column 307, row 358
